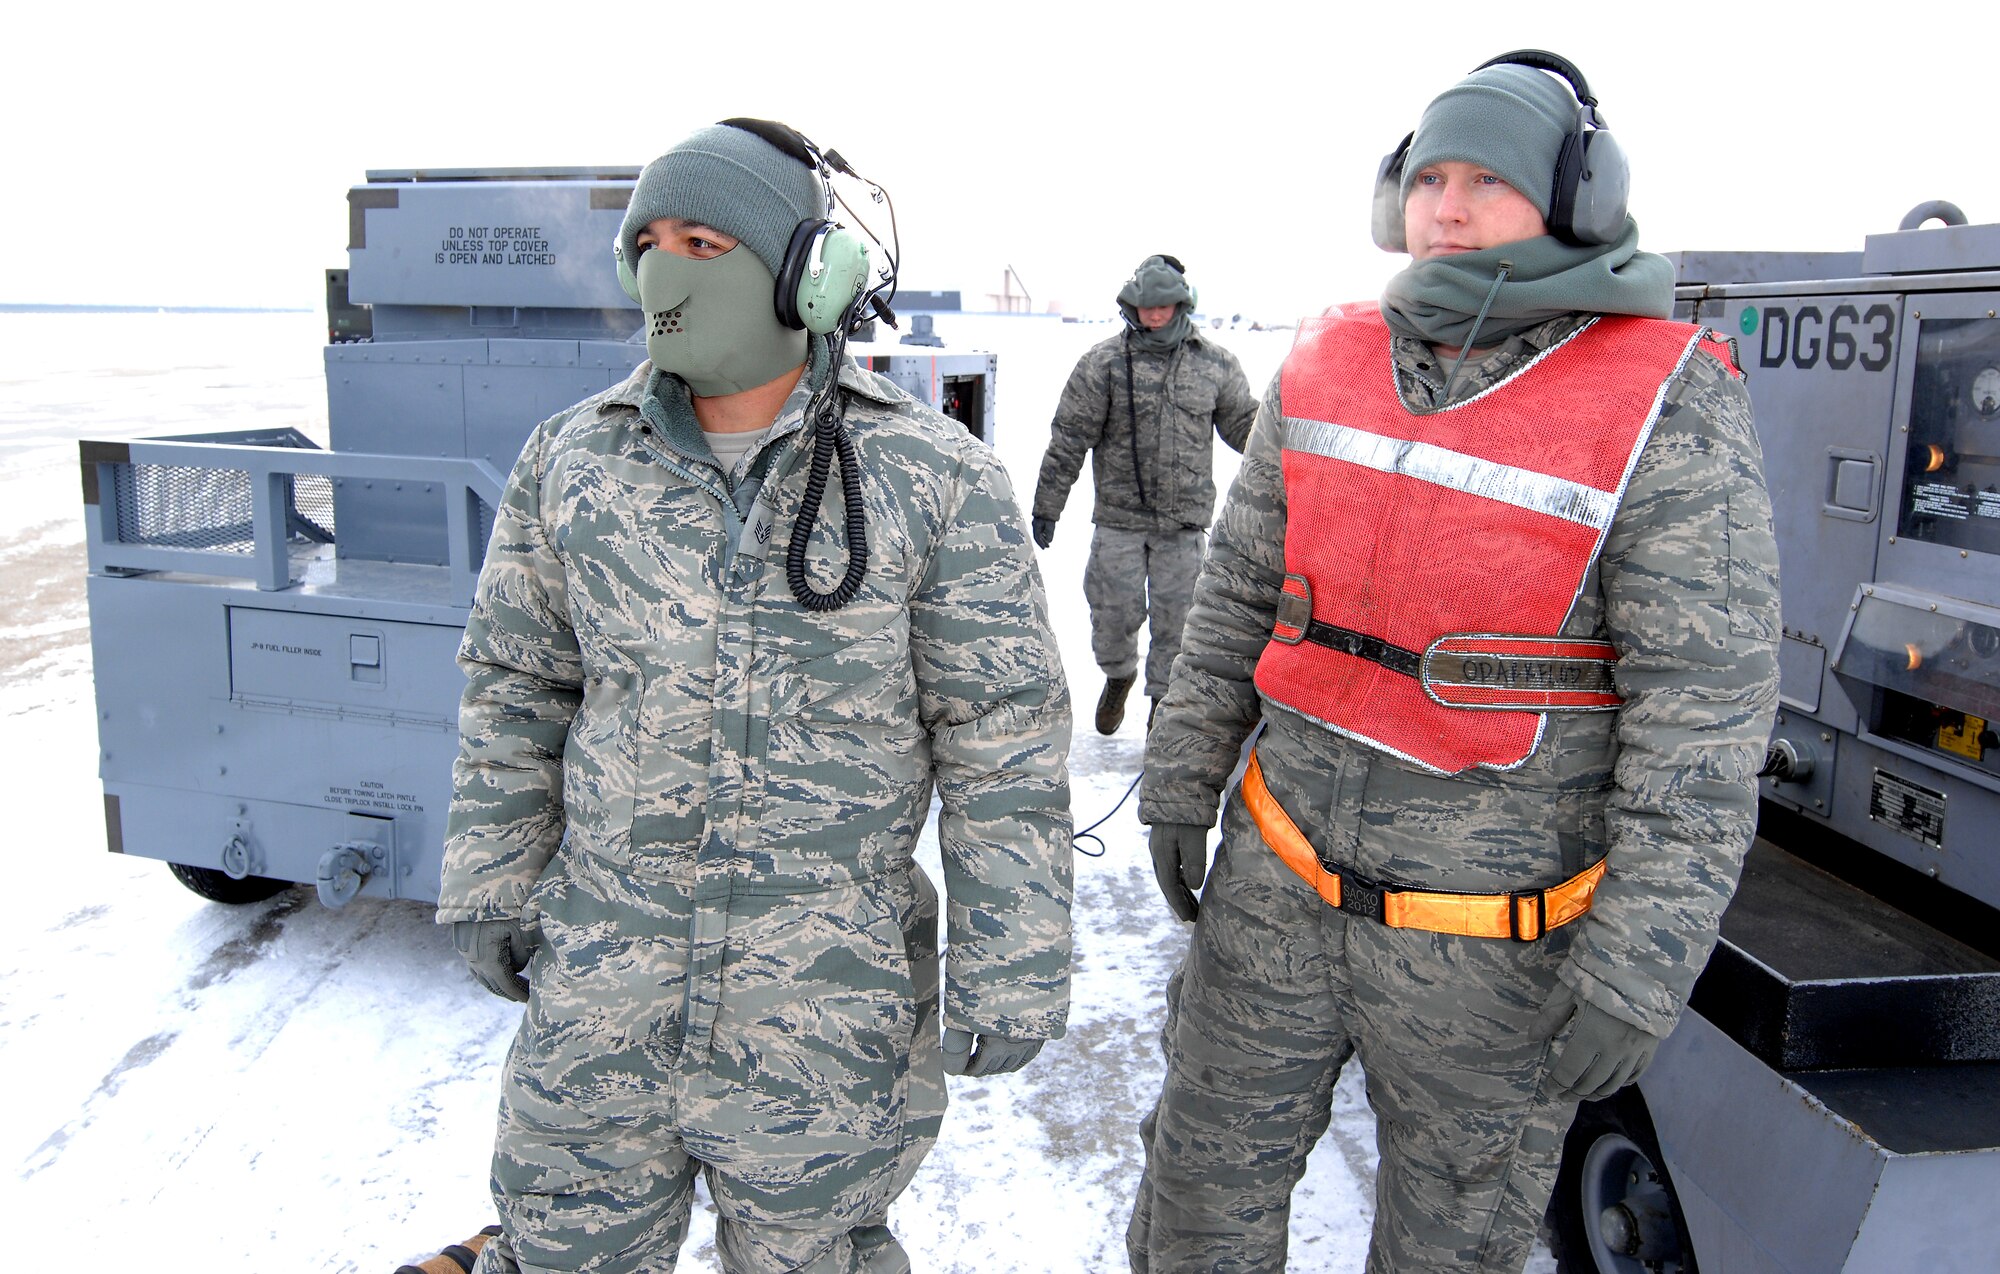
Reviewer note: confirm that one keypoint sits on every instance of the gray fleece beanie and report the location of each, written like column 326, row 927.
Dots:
column 730, row 179
column 1508, row 119
column 1154, row 283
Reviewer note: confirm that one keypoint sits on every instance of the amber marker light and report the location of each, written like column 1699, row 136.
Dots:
column 1935, row 463
column 1916, row 656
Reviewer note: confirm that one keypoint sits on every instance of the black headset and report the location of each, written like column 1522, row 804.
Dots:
column 1591, row 181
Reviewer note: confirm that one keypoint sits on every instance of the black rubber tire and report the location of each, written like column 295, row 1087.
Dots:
column 1619, row 1121
column 221, row 887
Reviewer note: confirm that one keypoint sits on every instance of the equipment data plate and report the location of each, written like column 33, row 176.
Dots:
column 1916, row 812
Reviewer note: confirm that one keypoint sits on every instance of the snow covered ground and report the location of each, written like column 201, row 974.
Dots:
column 280, row 1086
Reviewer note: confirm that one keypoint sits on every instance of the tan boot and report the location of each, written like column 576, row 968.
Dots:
column 459, row 1258
column 1111, row 704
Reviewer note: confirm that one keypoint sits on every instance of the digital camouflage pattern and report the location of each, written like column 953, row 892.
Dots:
column 1277, row 991
column 1686, row 589
column 1182, row 398
column 705, row 799
column 808, row 1098
column 1164, row 564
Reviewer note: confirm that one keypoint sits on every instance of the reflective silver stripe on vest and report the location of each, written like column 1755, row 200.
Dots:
column 1522, row 488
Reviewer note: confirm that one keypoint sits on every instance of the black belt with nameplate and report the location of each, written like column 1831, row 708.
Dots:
column 1494, row 671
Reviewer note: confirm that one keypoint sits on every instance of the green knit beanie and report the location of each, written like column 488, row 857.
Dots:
column 732, row 180
column 1508, row 119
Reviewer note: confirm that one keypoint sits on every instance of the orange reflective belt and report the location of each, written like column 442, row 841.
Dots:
column 1523, row 916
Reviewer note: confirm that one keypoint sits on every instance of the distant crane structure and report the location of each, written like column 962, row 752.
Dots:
column 1013, row 297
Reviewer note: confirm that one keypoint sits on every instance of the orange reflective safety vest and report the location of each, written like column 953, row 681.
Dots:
column 1431, row 560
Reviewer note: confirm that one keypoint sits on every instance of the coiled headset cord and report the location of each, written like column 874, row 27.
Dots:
column 830, row 439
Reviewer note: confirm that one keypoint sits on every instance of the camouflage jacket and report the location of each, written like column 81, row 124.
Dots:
column 1685, row 587
column 644, row 689
column 1179, row 401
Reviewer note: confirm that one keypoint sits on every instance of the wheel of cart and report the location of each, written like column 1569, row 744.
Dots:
column 1614, row 1210
column 219, row 886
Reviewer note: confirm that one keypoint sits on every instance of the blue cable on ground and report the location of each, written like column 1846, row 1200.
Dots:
column 1088, row 833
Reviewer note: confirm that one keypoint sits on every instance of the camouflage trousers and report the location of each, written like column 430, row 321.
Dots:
column 795, row 1066
column 1133, row 576
column 1277, row 992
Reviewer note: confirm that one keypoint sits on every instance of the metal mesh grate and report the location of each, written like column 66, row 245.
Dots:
column 309, row 507
column 484, row 535
column 186, row 507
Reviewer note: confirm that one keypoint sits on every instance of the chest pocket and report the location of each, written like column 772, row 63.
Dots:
column 868, row 681
column 1194, row 395
column 846, row 762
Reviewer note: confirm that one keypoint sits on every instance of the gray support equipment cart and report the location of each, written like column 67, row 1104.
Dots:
column 273, row 625
column 1831, row 1101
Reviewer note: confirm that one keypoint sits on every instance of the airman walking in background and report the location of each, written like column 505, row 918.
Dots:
column 1145, row 405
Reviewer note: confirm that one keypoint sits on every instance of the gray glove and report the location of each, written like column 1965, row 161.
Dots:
column 1180, row 863
column 1603, row 1053
column 1044, row 529
column 496, row 951
column 997, row 1055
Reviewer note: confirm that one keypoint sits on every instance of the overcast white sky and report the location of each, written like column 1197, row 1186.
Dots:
column 200, row 153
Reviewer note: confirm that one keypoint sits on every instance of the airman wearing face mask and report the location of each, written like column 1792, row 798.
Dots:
column 686, row 803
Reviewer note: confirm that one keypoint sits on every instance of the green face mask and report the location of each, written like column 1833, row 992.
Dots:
column 712, row 323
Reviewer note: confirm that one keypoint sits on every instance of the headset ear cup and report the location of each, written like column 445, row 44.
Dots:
column 798, row 255
column 824, row 301
column 1599, row 193
column 1385, row 219
column 818, row 302
column 627, row 277
column 1587, row 203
